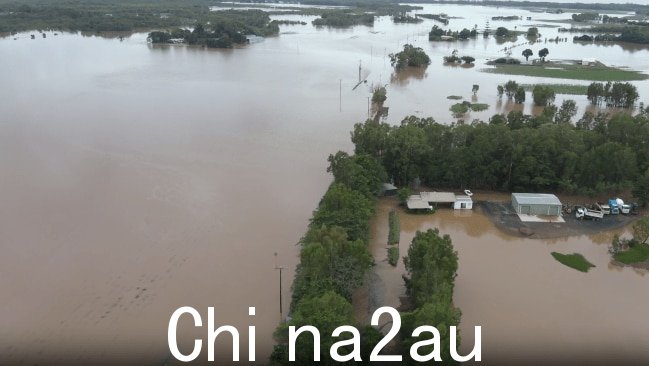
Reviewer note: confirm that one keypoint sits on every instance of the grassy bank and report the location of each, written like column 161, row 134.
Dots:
column 395, row 228
column 637, row 254
column 573, row 72
column 575, row 260
column 568, row 89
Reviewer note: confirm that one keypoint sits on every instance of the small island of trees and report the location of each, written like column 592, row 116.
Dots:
column 411, row 56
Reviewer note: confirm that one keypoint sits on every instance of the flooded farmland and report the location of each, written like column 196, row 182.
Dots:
column 135, row 179
column 532, row 309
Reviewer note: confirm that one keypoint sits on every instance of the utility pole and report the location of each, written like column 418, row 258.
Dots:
column 360, row 62
column 281, row 309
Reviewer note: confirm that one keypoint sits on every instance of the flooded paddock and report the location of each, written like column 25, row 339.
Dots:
column 532, row 309
column 135, row 179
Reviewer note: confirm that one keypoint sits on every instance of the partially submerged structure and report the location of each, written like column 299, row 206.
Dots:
column 415, row 202
column 434, row 199
column 536, row 204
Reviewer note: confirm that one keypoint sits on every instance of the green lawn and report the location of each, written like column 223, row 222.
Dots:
column 574, row 72
column 575, row 260
column 639, row 253
column 569, row 89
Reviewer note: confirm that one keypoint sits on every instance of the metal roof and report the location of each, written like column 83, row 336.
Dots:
column 459, row 197
column 415, row 202
column 536, row 199
column 438, row 197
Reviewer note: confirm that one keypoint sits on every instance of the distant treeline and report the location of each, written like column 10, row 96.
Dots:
column 122, row 15
column 517, row 152
column 612, row 33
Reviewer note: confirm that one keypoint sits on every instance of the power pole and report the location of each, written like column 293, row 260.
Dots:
column 280, row 268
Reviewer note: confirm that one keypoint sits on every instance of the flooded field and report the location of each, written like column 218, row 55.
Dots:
column 532, row 309
column 135, row 179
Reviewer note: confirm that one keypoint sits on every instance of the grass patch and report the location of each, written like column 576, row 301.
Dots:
column 568, row 89
column 575, row 72
column 575, row 260
column 477, row 107
column 637, row 254
column 459, row 109
column 393, row 256
column 395, row 228
column 454, row 97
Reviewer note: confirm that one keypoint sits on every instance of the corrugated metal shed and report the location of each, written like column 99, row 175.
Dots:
column 536, row 204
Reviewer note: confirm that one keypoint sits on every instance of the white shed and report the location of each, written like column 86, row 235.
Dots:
column 463, row 202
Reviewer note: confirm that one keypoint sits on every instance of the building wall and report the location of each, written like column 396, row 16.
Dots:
column 536, row 209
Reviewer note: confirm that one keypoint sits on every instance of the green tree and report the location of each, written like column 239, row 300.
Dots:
column 362, row 173
column 519, row 96
column 510, row 88
column 431, row 264
column 641, row 230
column 543, row 53
column 344, row 207
column 501, row 91
column 475, row 89
column 325, row 312
column 532, row 32
column 543, row 95
column 566, row 112
column 410, row 57
column 641, row 189
column 468, row 59
column 527, row 53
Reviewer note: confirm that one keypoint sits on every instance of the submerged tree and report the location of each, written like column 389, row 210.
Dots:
column 410, row 57
column 527, row 53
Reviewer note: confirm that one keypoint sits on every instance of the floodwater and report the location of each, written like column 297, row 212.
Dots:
column 532, row 309
column 137, row 179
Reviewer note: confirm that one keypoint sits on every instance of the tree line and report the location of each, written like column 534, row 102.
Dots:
column 516, row 152
column 334, row 259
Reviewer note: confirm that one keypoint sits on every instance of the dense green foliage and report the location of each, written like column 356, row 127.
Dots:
column 403, row 18
column 379, row 95
column 432, row 265
column 394, row 233
column 575, row 260
column 230, row 28
column 612, row 94
column 344, row 18
column 517, row 153
column 436, row 33
column 570, row 89
column 393, row 255
column 543, row 95
column 410, row 57
column 123, row 15
column 334, row 257
column 585, row 17
column 637, row 254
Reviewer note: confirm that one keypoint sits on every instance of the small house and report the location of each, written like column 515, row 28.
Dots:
column 415, row 202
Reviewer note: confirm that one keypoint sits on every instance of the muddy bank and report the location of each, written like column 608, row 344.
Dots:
column 503, row 216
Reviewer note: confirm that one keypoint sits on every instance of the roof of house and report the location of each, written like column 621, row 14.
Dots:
column 415, row 202
column 536, row 199
column 460, row 197
column 439, row 197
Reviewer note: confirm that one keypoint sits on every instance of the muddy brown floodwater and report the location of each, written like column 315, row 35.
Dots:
column 532, row 309
column 136, row 179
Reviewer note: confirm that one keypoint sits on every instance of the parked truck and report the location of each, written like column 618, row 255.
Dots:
column 615, row 208
column 585, row 213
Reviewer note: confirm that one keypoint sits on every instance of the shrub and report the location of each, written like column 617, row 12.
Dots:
column 394, row 228
column 393, row 255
